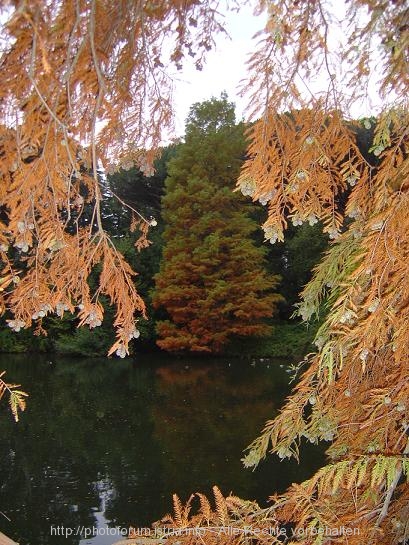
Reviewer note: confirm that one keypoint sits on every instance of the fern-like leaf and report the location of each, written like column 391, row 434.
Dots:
column 221, row 506
column 205, row 508
column 17, row 400
column 178, row 510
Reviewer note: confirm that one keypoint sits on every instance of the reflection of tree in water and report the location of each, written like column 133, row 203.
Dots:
column 207, row 415
column 133, row 436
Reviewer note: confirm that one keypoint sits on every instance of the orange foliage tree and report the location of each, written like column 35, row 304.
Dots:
column 212, row 281
column 67, row 65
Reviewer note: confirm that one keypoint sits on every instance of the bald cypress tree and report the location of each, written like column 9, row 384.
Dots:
column 212, row 282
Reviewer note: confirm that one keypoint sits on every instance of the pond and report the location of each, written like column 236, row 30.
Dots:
column 104, row 444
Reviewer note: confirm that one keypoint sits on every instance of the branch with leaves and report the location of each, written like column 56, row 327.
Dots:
column 16, row 397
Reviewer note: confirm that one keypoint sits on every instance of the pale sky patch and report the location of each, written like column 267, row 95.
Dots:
column 224, row 68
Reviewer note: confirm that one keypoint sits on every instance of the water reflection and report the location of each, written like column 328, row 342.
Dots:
column 110, row 441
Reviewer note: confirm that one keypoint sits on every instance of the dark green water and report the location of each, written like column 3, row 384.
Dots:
column 107, row 442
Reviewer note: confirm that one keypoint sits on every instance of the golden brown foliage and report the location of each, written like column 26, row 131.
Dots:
column 83, row 85
column 231, row 519
column 68, row 65
column 354, row 391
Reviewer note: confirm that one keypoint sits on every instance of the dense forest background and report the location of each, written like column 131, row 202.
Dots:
column 232, row 271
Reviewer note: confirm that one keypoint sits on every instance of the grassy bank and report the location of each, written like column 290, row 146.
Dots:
column 288, row 340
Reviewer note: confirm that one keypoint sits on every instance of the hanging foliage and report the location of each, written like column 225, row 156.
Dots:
column 84, row 86
column 354, row 392
column 70, row 68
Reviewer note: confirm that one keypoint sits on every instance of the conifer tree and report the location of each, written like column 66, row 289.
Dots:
column 212, row 283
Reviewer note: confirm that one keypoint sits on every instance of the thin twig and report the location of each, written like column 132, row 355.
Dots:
column 391, row 490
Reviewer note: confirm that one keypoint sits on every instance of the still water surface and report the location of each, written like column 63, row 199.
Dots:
column 105, row 443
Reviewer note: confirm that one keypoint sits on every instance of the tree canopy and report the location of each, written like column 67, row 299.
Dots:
column 70, row 68
column 212, row 282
